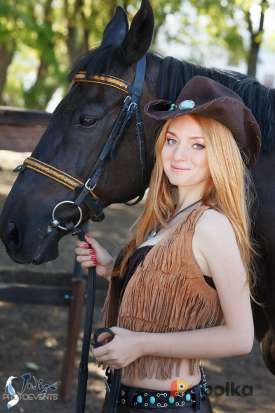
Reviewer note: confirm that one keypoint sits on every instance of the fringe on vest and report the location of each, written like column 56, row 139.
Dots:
column 167, row 293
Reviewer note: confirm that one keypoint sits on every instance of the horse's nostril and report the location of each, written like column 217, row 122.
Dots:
column 12, row 235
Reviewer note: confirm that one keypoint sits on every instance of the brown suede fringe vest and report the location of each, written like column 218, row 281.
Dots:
column 166, row 293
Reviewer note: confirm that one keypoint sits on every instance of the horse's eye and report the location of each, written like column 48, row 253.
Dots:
column 87, row 121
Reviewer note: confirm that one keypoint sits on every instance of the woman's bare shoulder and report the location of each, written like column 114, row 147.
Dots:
column 214, row 223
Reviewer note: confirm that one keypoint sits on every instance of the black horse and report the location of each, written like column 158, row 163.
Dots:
column 78, row 132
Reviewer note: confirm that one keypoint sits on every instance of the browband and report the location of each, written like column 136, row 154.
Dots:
column 104, row 80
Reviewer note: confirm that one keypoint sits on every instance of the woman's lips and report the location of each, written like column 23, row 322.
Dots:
column 179, row 169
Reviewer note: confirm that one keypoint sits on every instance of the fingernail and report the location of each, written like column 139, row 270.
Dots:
column 86, row 245
column 95, row 262
column 93, row 257
column 92, row 252
column 86, row 235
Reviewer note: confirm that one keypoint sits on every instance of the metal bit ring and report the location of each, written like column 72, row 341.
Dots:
column 67, row 202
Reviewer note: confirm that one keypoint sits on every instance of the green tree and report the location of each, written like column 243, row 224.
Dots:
column 10, row 24
column 26, row 35
column 41, row 39
column 256, row 35
column 228, row 19
column 56, row 33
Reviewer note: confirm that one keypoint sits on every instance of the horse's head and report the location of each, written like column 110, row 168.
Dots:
column 74, row 140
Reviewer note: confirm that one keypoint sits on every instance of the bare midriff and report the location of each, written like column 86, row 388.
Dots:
column 165, row 385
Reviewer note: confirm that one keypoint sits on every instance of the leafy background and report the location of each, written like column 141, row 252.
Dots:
column 41, row 39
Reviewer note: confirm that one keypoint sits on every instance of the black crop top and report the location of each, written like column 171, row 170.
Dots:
column 136, row 259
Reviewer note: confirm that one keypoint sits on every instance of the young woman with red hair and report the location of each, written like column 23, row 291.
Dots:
column 180, row 290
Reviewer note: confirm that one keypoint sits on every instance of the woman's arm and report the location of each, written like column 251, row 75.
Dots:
column 216, row 240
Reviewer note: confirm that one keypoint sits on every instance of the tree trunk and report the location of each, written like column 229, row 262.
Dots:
column 72, row 44
column 5, row 61
column 84, row 47
column 256, row 38
column 253, row 57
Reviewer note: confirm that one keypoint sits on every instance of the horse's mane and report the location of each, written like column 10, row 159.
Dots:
column 96, row 60
column 257, row 97
column 174, row 74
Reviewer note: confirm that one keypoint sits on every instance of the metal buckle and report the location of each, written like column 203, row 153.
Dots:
column 127, row 97
column 87, row 185
column 56, row 222
column 134, row 104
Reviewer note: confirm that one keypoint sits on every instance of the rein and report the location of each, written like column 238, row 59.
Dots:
column 129, row 110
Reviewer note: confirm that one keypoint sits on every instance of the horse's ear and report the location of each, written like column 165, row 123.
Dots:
column 138, row 39
column 116, row 29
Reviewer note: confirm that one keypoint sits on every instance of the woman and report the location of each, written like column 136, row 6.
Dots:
column 186, row 275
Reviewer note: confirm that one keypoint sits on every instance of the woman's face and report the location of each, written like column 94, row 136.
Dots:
column 184, row 154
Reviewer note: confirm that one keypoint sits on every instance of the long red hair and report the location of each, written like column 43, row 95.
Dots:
column 229, row 190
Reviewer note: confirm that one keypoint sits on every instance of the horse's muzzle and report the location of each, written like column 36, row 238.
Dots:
column 23, row 248
column 12, row 236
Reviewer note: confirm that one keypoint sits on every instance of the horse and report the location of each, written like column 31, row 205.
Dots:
column 78, row 134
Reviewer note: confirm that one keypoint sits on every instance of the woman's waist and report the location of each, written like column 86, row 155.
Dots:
column 184, row 378
column 177, row 393
column 161, row 385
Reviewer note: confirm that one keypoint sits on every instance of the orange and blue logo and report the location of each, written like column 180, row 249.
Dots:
column 179, row 386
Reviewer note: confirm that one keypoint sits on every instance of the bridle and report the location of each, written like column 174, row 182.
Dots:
column 129, row 110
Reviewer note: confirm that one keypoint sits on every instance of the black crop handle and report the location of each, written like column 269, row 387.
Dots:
column 97, row 334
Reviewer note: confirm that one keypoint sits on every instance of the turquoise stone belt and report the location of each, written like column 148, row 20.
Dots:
column 154, row 399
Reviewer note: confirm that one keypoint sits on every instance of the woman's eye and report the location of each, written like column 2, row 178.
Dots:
column 171, row 141
column 87, row 121
column 199, row 145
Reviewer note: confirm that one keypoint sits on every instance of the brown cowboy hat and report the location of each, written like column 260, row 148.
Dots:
column 206, row 97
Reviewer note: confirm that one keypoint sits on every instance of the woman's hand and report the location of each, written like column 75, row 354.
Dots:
column 122, row 350
column 91, row 253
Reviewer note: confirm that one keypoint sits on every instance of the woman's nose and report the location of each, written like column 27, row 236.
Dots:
column 180, row 153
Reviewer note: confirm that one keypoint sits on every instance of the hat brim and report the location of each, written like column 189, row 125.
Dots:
column 217, row 109
column 159, row 109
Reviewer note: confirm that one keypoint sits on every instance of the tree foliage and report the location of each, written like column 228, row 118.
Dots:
column 231, row 20
column 41, row 39
column 48, row 36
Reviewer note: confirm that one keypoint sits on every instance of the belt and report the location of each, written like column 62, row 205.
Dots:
column 154, row 399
